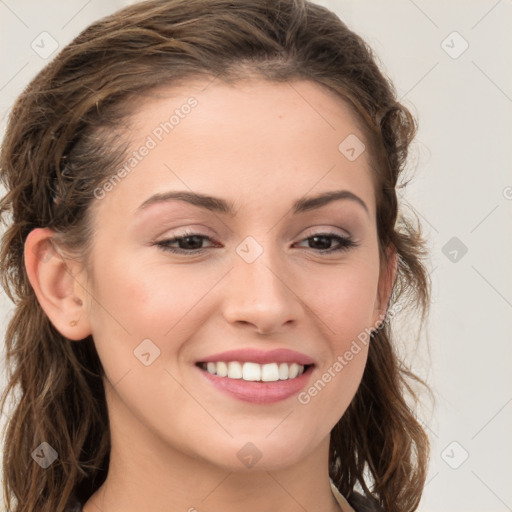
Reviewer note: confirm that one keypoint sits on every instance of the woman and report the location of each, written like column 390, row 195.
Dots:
column 205, row 254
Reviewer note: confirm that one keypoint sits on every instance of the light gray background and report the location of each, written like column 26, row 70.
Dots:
column 462, row 188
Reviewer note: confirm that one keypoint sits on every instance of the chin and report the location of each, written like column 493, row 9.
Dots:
column 261, row 453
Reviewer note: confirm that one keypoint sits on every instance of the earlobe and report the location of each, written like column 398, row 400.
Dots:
column 54, row 281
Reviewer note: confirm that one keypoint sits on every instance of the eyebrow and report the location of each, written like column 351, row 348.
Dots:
column 216, row 204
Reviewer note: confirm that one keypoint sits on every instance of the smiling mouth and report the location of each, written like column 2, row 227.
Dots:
column 254, row 372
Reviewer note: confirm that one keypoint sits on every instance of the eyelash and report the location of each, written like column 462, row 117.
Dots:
column 345, row 244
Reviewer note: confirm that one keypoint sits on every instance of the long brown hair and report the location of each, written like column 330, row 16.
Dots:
column 63, row 141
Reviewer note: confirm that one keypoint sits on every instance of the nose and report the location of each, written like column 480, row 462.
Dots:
column 261, row 295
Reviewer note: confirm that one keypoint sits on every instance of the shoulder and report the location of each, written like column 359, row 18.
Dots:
column 355, row 502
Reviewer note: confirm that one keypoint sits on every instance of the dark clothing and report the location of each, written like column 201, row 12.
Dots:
column 362, row 503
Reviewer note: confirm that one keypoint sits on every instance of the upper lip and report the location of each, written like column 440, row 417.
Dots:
column 280, row 355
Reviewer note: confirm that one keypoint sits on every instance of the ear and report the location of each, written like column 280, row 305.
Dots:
column 56, row 283
column 387, row 275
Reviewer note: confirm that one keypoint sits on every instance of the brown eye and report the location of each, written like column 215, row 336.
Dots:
column 323, row 242
column 191, row 243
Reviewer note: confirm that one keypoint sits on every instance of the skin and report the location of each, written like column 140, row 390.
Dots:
column 175, row 437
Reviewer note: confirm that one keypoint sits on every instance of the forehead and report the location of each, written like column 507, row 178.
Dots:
column 248, row 140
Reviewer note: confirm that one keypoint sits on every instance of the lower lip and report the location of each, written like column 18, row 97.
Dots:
column 259, row 392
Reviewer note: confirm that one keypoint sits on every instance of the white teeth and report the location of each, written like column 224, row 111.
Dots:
column 283, row 371
column 294, row 371
column 234, row 370
column 222, row 369
column 269, row 372
column 251, row 372
column 254, row 372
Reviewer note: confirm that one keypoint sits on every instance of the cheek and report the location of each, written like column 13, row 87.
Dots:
column 143, row 297
column 136, row 301
column 345, row 301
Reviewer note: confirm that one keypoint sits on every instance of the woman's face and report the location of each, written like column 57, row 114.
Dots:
column 250, row 284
